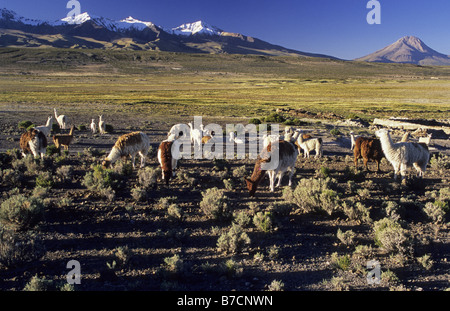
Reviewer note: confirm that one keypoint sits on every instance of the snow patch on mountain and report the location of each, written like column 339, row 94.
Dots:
column 196, row 28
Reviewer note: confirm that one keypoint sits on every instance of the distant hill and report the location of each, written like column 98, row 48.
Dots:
column 88, row 31
column 409, row 50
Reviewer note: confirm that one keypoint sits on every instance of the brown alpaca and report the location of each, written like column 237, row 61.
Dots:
column 63, row 139
column 368, row 149
column 166, row 160
column 34, row 142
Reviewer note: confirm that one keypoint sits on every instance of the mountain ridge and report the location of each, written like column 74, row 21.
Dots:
column 91, row 31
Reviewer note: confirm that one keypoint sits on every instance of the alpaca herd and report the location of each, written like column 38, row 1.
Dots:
column 401, row 155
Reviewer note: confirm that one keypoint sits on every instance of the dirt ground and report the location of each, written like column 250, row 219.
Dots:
column 298, row 251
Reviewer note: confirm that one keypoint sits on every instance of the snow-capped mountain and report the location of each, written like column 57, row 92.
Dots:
column 410, row 50
column 196, row 28
column 124, row 24
column 89, row 31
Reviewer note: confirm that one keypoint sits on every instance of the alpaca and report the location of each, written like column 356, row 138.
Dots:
column 309, row 145
column 33, row 141
column 47, row 128
column 93, row 126
column 405, row 137
column 426, row 140
column 287, row 158
column 64, row 139
column 403, row 155
column 369, row 149
column 177, row 130
column 196, row 137
column 129, row 145
column 268, row 139
column 61, row 119
column 167, row 162
column 101, row 125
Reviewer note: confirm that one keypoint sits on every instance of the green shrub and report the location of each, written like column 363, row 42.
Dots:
column 16, row 250
column 234, row 240
column 101, row 181
column 356, row 211
column 263, row 221
column 254, row 121
column 82, row 127
column 20, row 212
column 44, row 180
column 347, row 238
column 390, row 236
column 313, row 195
column 436, row 211
column 214, row 204
column 335, row 132
column 148, row 177
column 51, row 150
column 23, row 125
column 109, row 128
column 276, row 286
column 274, row 118
column 175, row 212
column 341, row 262
column 37, row 284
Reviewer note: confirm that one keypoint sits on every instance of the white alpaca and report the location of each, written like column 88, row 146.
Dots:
column 101, row 125
column 267, row 139
column 286, row 162
column 93, row 126
column 129, row 145
column 178, row 130
column 309, row 145
column 426, row 140
column 196, row 137
column 61, row 119
column 47, row 128
column 404, row 154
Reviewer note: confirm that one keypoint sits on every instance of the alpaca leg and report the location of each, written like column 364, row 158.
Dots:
column 143, row 156
column 174, row 166
column 280, row 176
column 291, row 173
column 272, row 180
column 403, row 169
column 133, row 159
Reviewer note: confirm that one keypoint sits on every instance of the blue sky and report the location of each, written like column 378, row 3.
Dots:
column 333, row 27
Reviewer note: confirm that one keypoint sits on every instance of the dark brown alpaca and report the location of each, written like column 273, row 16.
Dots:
column 368, row 149
column 166, row 160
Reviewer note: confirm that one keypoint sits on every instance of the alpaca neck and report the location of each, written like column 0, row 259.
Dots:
column 56, row 115
column 114, row 155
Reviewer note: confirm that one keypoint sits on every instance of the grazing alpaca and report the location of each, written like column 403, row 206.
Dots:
column 129, row 145
column 61, row 119
column 196, row 137
column 309, row 145
column 64, row 139
column 93, row 126
column 287, row 158
column 167, row 162
column 47, row 128
column 34, row 142
column 403, row 155
column 101, row 125
column 369, row 149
